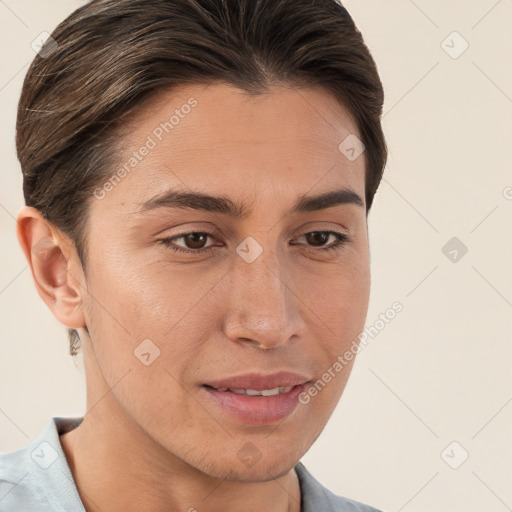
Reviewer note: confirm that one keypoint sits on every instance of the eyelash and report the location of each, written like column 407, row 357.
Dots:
column 341, row 240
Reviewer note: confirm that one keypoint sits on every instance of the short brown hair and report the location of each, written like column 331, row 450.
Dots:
column 109, row 56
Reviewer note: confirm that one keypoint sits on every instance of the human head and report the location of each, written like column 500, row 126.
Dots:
column 116, row 63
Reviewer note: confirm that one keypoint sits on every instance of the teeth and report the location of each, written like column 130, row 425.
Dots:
column 270, row 392
column 263, row 392
column 251, row 392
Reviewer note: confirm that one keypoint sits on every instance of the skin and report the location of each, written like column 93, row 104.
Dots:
column 150, row 439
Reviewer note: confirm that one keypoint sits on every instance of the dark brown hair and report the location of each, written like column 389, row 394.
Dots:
column 109, row 56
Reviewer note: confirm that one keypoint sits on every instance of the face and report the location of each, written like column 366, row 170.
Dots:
column 256, row 290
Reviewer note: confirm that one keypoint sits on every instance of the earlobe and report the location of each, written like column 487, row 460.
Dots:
column 54, row 264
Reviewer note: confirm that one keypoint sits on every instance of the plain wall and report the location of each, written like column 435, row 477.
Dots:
column 440, row 370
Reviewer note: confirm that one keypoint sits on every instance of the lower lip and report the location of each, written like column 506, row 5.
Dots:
column 256, row 410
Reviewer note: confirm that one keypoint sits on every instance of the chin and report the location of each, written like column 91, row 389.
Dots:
column 261, row 470
column 261, row 473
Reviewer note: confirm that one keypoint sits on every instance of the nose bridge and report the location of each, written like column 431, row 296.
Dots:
column 263, row 308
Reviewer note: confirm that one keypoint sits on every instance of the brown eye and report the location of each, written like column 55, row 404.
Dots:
column 194, row 242
column 319, row 238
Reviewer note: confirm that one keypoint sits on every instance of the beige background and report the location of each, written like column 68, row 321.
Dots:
column 440, row 371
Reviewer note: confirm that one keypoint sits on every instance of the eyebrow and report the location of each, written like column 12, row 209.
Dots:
column 226, row 206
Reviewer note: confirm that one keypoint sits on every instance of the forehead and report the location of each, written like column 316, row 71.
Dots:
column 290, row 110
column 225, row 140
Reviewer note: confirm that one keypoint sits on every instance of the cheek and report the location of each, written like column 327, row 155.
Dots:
column 340, row 301
column 155, row 302
column 143, row 368
column 146, row 298
column 340, row 314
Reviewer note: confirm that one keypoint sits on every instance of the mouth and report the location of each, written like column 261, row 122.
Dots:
column 256, row 392
column 259, row 382
column 256, row 399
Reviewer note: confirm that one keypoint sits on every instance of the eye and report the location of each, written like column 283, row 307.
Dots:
column 320, row 237
column 194, row 242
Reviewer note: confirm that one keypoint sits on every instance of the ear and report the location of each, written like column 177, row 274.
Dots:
column 55, row 266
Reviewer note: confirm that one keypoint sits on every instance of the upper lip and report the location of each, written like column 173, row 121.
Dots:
column 258, row 381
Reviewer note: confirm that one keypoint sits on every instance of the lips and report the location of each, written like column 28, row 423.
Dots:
column 259, row 382
column 256, row 399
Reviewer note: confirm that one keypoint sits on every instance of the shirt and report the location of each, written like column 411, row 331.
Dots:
column 37, row 478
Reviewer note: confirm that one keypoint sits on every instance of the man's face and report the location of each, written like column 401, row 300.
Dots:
column 255, row 295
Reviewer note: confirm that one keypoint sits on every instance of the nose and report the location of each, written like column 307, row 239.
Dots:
column 263, row 308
